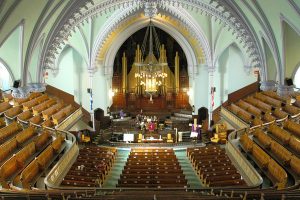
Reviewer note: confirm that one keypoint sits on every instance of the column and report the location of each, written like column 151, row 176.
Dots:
column 124, row 73
column 177, row 73
column 91, row 72
column 211, row 92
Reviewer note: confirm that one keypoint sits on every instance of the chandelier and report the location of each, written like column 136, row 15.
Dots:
column 151, row 74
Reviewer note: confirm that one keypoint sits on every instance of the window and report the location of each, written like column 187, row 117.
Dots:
column 5, row 78
column 297, row 78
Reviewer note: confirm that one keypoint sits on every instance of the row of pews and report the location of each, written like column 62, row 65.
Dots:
column 152, row 168
column 25, row 154
column 214, row 167
column 91, row 167
column 264, row 108
column 281, row 153
column 37, row 109
column 270, row 167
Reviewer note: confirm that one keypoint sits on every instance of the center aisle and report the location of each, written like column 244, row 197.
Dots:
column 190, row 174
column 113, row 176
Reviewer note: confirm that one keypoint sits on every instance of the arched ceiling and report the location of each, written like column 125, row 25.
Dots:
column 247, row 21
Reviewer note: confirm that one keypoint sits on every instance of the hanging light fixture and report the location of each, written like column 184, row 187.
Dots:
column 151, row 73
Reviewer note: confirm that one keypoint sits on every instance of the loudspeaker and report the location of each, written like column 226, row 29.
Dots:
column 16, row 83
column 289, row 81
column 99, row 114
column 89, row 90
column 202, row 114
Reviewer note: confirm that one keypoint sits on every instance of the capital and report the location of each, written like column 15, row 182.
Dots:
column 92, row 71
column 211, row 68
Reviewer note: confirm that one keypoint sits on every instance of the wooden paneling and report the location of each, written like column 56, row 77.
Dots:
column 243, row 92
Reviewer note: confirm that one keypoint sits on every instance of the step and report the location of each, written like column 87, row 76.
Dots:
column 116, row 170
column 188, row 170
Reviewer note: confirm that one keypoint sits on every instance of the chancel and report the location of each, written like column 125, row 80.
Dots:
column 149, row 99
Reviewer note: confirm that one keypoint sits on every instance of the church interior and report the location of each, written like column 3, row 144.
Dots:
column 149, row 99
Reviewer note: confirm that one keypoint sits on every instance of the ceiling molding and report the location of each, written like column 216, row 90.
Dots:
column 295, row 6
column 33, row 39
column 81, row 10
column 8, row 12
column 270, row 33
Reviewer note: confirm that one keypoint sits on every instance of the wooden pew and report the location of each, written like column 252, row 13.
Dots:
column 61, row 115
column 260, row 156
column 268, row 118
column 25, row 116
column 50, row 111
column 274, row 95
column 294, row 143
column 257, row 122
column 278, row 174
column 7, row 149
column 224, row 183
column 279, row 133
column 45, row 157
column 19, row 102
column 43, row 106
column 292, row 127
column 269, row 100
column 2, row 123
column 295, row 164
column 9, row 131
column 263, row 138
column 279, row 114
column 48, row 123
column 36, row 120
column 25, row 135
column 4, row 106
column 25, row 154
column 247, row 143
column 42, row 140
column 57, row 143
column 29, row 173
column 13, row 112
column 281, row 152
column 7, row 97
column 292, row 110
column 259, row 104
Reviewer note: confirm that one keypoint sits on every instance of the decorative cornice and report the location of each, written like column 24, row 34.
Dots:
column 81, row 10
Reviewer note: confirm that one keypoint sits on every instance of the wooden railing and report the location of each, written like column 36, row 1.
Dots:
column 233, row 119
column 247, row 171
column 64, row 125
column 55, row 176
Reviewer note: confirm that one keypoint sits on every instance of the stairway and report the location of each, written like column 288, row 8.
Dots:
column 114, row 174
column 188, row 170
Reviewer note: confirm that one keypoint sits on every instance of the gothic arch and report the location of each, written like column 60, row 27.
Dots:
column 189, row 49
